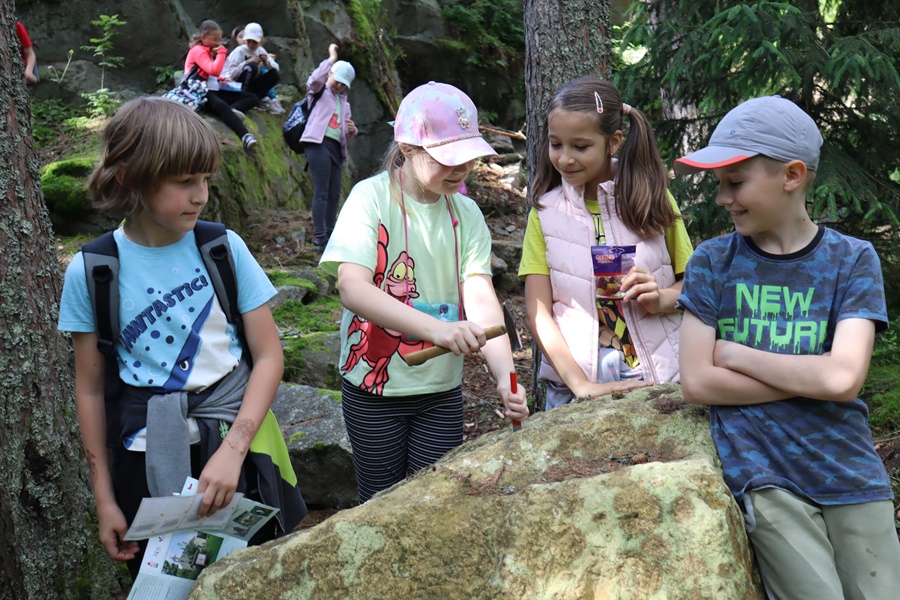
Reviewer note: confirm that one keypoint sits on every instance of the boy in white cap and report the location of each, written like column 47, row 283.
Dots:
column 254, row 68
column 780, row 319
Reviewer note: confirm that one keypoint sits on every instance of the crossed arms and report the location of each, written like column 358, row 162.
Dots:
column 720, row 372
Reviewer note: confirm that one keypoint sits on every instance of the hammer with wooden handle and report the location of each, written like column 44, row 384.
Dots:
column 420, row 356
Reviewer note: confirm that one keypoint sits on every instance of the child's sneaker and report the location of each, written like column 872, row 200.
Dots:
column 239, row 114
column 320, row 242
column 274, row 106
column 263, row 104
column 249, row 142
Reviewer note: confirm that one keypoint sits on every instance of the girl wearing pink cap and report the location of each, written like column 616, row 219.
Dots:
column 412, row 258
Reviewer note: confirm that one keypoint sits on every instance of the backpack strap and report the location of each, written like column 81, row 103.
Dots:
column 101, row 266
column 212, row 241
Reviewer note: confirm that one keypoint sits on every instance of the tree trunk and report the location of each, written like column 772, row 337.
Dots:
column 563, row 40
column 48, row 540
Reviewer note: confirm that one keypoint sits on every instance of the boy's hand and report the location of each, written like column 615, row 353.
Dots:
column 219, row 479
column 461, row 337
column 112, row 531
column 332, row 52
column 590, row 389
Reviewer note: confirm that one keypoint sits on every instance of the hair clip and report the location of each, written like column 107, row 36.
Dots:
column 599, row 101
column 626, row 109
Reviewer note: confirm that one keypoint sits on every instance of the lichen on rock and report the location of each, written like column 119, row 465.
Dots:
column 612, row 498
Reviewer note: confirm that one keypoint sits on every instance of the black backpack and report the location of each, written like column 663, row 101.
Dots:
column 101, row 266
column 296, row 120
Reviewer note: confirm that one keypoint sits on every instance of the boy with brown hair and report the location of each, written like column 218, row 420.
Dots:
column 780, row 320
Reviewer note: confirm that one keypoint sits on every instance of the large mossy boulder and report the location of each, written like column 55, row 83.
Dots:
column 614, row 498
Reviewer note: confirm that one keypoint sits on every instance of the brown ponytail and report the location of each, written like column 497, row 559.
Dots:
column 641, row 180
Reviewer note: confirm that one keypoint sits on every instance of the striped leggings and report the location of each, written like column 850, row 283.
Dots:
column 395, row 436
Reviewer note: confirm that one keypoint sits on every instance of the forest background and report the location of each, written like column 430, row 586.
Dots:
column 685, row 64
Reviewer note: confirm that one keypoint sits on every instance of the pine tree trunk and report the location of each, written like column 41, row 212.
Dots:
column 48, row 539
column 563, row 41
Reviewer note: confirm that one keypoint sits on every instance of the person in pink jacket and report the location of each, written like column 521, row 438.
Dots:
column 325, row 139
column 604, row 249
column 208, row 54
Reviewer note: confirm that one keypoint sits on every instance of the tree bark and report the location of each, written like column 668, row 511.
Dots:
column 564, row 39
column 48, row 540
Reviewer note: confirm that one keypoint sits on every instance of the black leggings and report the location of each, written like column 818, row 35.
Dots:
column 324, row 162
column 220, row 103
column 258, row 85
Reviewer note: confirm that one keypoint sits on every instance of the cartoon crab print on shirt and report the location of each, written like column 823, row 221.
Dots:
column 376, row 346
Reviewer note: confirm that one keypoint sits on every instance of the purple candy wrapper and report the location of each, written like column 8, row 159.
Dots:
column 611, row 263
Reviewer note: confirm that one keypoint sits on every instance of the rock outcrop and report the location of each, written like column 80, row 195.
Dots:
column 313, row 427
column 614, row 498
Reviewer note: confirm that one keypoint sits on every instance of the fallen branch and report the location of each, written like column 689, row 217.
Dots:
column 516, row 135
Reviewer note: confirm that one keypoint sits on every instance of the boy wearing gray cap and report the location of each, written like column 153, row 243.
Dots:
column 780, row 319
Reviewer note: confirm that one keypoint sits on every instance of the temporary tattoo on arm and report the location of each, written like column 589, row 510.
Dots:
column 244, row 429
column 92, row 464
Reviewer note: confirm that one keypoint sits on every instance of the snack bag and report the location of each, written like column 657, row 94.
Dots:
column 611, row 263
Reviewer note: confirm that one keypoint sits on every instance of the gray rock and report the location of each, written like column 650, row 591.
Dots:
column 508, row 250
column 324, row 283
column 621, row 499
column 498, row 265
column 312, row 360
column 313, row 427
column 288, row 292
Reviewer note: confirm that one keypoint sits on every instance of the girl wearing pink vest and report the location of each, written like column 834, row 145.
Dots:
column 588, row 207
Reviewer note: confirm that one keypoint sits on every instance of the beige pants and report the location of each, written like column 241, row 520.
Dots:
column 806, row 551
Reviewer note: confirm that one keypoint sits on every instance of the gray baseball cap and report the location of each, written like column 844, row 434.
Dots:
column 772, row 126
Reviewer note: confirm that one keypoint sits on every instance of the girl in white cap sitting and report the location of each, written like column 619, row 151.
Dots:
column 254, row 68
column 412, row 258
column 325, row 138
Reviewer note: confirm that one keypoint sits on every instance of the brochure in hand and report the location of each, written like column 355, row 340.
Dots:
column 183, row 544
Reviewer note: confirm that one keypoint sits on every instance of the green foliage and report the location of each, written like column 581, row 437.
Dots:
column 101, row 47
column 64, row 187
column 887, row 346
column 489, row 32
column 165, row 75
column 837, row 59
column 102, row 103
column 374, row 56
column 57, row 75
column 50, row 118
column 320, row 316
column 882, row 395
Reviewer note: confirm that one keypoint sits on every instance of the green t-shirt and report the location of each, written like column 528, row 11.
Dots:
column 333, row 129
column 370, row 232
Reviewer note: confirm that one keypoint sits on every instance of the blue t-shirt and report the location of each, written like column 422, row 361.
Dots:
column 173, row 334
column 791, row 304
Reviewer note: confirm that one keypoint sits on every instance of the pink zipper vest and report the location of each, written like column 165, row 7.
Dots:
column 568, row 229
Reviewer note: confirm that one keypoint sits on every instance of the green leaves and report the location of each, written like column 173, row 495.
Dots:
column 836, row 58
column 103, row 45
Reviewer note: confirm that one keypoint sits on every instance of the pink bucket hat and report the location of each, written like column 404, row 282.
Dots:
column 443, row 120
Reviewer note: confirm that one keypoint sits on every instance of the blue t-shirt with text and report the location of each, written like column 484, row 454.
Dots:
column 791, row 304
column 173, row 334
